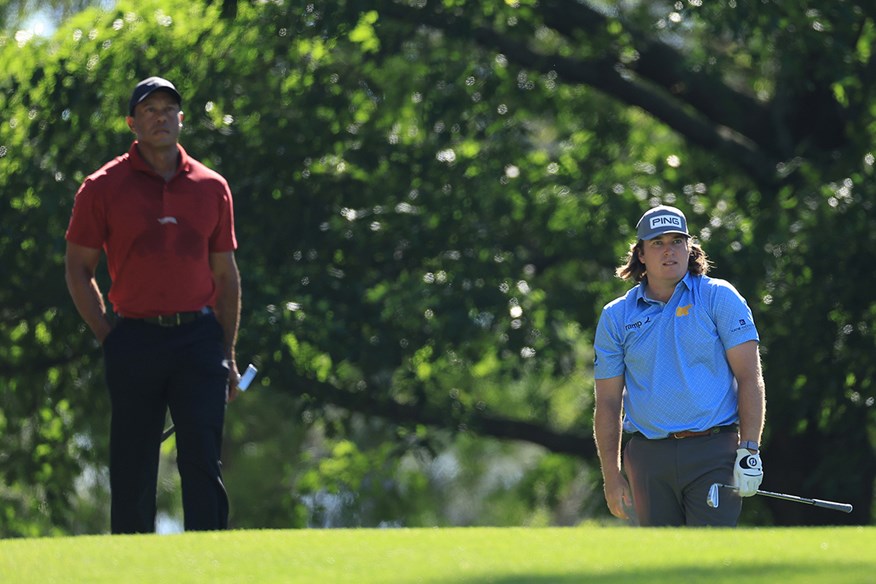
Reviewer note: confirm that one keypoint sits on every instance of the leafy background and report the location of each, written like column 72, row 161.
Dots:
column 431, row 199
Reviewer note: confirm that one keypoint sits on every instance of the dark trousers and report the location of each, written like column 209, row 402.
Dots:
column 149, row 369
column 670, row 480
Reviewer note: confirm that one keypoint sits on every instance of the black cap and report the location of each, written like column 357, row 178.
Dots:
column 147, row 87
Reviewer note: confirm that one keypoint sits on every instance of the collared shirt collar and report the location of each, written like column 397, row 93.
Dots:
column 139, row 163
column 640, row 289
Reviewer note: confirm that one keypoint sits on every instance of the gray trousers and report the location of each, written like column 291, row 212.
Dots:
column 670, row 480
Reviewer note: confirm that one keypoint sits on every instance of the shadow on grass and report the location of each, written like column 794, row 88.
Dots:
column 854, row 572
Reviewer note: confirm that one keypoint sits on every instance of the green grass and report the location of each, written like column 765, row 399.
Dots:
column 506, row 556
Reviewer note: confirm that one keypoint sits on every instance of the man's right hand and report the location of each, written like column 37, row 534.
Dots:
column 618, row 497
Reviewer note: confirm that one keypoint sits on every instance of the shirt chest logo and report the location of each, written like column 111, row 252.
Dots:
column 683, row 310
column 638, row 324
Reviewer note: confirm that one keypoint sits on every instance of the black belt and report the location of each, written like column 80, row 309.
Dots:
column 175, row 319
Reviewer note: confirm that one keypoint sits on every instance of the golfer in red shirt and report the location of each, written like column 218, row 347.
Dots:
column 166, row 224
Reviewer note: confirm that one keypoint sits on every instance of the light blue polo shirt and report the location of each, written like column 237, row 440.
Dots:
column 673, row 355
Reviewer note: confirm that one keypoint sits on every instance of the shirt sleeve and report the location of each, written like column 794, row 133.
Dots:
column 733, row 318
column 87, row 225
column 223, row 238
column 608, row 351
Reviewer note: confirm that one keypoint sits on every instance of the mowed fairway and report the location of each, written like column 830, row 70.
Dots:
column 510, row 556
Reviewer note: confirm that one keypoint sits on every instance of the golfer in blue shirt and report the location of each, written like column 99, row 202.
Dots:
column 677, row 367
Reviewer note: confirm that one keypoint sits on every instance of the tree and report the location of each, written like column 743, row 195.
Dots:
column 431, row 200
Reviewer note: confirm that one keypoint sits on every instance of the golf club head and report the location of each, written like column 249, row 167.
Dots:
column 713, row 499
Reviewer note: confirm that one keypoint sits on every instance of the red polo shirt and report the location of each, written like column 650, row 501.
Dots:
column 157, row 234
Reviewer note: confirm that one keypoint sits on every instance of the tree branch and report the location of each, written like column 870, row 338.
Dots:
column 665, row 67
column 606, row 75
column 471, row 420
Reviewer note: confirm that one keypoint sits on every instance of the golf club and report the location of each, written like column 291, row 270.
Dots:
column 713, row 499
column 243, row 385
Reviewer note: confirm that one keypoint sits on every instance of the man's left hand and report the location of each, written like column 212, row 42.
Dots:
column 747, row 472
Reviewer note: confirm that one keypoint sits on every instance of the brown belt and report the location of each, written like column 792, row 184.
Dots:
column 709, row 432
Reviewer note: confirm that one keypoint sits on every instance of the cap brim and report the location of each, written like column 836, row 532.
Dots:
column 651, row 236
column 169, row 90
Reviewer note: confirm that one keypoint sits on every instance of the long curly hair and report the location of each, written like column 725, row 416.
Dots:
column 633, row 269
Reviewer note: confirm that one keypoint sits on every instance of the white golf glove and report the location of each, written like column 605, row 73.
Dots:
column 747, row 473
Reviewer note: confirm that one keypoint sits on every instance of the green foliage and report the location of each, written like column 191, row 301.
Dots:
column 430, row 203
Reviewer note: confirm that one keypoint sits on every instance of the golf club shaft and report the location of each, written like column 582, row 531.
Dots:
column 843, row 507
column 243, row 385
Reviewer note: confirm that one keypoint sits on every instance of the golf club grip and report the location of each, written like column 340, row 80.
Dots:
column 247, row 377
column 843, row 507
